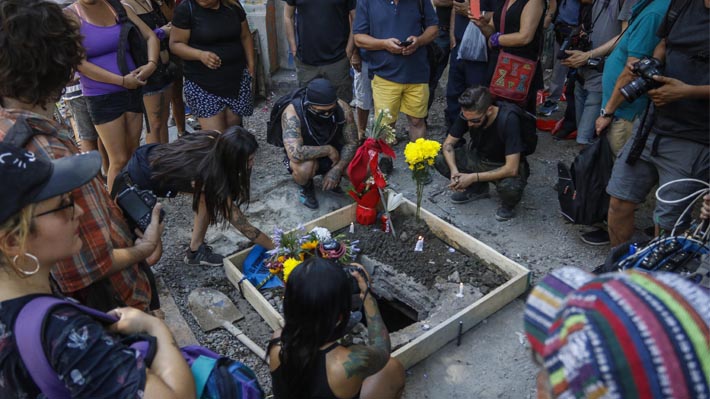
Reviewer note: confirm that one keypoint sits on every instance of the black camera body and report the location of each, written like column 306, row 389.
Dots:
column 356, row 302
column 138, row 205
column 576, row 40
column 596, row 63
column 645, row 68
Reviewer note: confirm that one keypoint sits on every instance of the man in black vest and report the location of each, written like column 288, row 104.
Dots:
column 494, row 155
column 319, row 137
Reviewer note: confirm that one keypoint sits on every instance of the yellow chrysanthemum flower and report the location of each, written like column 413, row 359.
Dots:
column 309, row 245
column 289, row 265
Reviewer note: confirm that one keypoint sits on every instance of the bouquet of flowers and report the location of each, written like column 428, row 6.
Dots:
column 420, row 157
column 296, row 246
column 364, row 172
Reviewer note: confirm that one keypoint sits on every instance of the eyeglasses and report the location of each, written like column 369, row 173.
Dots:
column 474, row 120
column 69, row 204
column 323, row 113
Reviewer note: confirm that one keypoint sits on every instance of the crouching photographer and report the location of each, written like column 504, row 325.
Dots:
column 672, row 141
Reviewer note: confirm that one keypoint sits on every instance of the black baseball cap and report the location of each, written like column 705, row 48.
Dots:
column 320, row 91
column 27, row 178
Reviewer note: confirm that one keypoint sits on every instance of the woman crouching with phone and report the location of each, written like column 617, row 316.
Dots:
column 215, row 168
column 39, row 224
column 305, row 359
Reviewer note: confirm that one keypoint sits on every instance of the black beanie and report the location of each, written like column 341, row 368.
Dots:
column 320, row 92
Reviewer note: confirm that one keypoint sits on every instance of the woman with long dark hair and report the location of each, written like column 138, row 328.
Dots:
column 305, row 359
column 215, row 168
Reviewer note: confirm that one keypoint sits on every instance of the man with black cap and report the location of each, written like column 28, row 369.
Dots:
column 319, row 137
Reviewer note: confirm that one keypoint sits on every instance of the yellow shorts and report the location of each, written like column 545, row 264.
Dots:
column 409, row 98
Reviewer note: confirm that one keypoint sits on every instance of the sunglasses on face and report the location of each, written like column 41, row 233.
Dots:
column 473, row 120
column 67, row 202
column 322, row 113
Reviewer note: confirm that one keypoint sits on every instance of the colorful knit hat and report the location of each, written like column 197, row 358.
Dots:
column 621, row 335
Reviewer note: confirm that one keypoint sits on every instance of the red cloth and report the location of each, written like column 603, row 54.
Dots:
column 366, row 158
column 366, row 211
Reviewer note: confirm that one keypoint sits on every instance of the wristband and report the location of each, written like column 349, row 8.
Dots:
column 160, row 33
column 495, row 40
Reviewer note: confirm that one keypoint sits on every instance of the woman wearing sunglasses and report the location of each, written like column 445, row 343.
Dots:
column 39, row 226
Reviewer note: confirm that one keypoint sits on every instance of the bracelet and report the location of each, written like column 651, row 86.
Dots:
column 495, row 39
column 478, row 178
column 160, row 33
column 154, row 62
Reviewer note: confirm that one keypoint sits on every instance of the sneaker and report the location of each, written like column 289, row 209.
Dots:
column 203, row 256
column 470, row 194
column 547, row 108
column 307, row 195
column 504, row 213
column 386, row 165
column 597, row 238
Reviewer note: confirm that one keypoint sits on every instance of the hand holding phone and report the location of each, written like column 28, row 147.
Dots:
column 405, row 43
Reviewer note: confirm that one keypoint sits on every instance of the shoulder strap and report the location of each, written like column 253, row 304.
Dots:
column 502, row 17
column 28, row 336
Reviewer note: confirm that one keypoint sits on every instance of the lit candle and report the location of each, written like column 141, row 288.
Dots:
column 419, row 246
column 460, row 294
column 352, row 227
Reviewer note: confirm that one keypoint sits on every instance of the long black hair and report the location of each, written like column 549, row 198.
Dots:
column 316, row 310
column 218, row 164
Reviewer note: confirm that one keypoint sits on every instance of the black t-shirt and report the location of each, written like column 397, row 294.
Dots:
column 687, row 51
column 531, row 50
column 90, row 362
column 322, row 29
column 495, row 142
column 443, row 14
column 218, row 31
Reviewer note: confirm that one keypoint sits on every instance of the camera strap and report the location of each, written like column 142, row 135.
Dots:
column 599, row 14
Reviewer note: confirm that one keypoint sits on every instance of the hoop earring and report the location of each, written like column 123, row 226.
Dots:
column 25, row 272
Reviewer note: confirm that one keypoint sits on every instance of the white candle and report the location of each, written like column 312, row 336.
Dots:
column 460, row 294
column 352, row 227
column 419, row 246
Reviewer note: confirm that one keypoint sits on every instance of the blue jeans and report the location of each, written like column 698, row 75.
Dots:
column 588, row 104
column 462, row 75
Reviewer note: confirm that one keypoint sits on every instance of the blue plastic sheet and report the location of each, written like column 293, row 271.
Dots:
column 256, row 271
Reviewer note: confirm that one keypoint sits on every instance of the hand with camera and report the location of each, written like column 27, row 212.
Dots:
column 576, row 58
column 671, row 90
column 359, row 273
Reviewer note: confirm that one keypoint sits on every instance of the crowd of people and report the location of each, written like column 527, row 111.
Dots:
column 117, row 64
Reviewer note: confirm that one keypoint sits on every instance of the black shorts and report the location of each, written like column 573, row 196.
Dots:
column 108, row 107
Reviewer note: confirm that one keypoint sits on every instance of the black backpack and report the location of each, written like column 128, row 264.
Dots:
column 274, row 132
column 582, row 186
column 527, row 124
column 130, row 37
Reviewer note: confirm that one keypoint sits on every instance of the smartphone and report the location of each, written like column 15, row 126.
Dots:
column 476, row 9
column 405, row 43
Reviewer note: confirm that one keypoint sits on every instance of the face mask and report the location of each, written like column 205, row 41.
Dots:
column 325, row 114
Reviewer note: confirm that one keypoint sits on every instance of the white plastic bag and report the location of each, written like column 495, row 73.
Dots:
column 473, row 45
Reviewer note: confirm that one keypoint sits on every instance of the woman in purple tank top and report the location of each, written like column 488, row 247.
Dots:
column 114, row 103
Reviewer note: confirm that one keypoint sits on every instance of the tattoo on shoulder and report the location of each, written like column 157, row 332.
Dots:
column 363, row 362
column 291, row 126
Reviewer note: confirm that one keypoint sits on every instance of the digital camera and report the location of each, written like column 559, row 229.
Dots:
column 645, row 68
column 137, row 206
column 354, row 286
column 576, row 40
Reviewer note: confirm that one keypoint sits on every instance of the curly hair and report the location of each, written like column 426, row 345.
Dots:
column 40, row 48
column 18, row 227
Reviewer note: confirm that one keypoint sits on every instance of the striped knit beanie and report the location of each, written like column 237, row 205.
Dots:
column 621, row 335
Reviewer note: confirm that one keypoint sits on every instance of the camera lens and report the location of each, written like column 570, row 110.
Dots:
column 635, row 89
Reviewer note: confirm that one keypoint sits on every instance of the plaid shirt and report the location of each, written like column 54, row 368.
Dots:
column 101, row 228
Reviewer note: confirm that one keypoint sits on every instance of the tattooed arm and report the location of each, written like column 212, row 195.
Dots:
column 332, row 178
column 364, row 361
column 240, row 222
column 293, row 141
column 449, row 155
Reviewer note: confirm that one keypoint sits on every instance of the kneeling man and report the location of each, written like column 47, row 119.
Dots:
column 493, row 155
column 319, row 137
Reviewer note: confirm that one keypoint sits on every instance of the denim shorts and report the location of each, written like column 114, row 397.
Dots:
column 108, row 107
column 84, row 124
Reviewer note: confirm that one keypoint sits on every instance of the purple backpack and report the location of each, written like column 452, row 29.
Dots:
column 216, row 377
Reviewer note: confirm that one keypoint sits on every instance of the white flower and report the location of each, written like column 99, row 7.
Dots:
column 321, row 233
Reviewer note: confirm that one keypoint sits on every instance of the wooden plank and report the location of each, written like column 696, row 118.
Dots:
column 234, row 273
column 434, row 339
column 173, row 318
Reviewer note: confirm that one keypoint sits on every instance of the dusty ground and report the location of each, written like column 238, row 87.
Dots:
column 492, row 361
